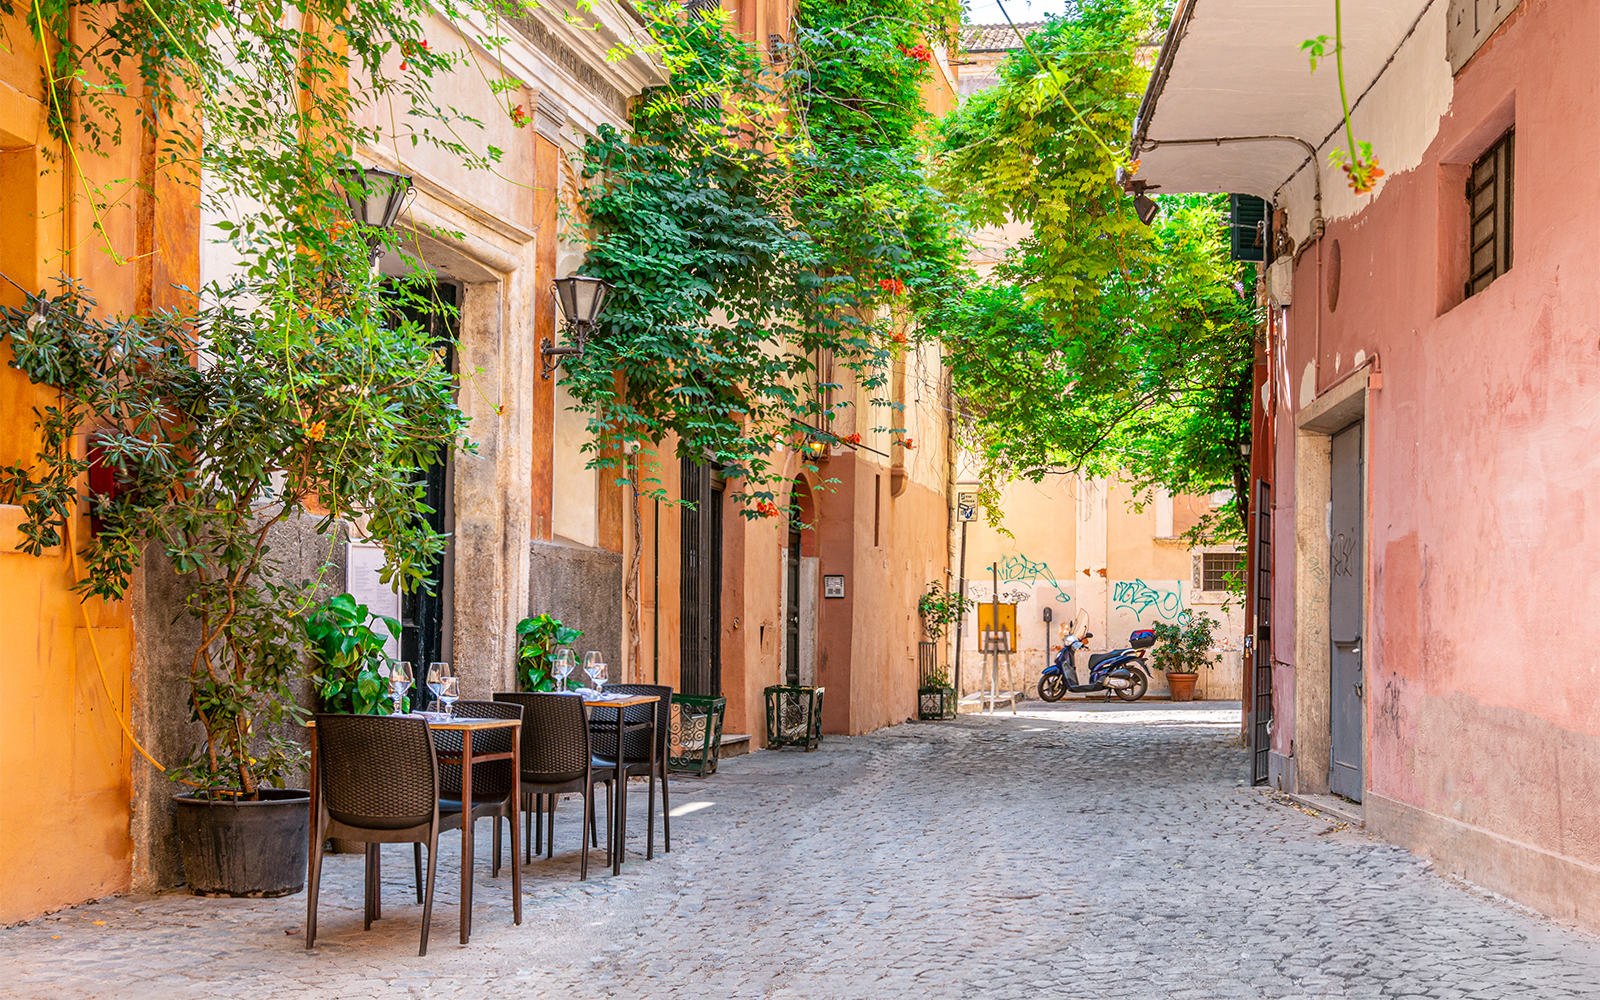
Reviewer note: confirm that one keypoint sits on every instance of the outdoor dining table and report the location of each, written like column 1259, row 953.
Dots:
column 619, row 809
column 466, row 759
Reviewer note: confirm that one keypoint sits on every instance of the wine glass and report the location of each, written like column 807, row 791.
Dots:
column 400, row 679
column 597, row 673
column 562, row 669
column 449, row 691
column 437, row 672
column 590, row 659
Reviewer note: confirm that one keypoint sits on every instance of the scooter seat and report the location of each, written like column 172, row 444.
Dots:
column 1097, row 658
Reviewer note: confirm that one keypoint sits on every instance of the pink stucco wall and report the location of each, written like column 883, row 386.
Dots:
column 1483, row 456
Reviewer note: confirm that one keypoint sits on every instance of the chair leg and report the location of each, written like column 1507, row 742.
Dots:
column 367, row 891
column 593, row 837
column 650, row 819
column 427, row 905
column 666, row 813
column 583, row 841
column 611, row 824
column 494, row 870
column 550, row 832
column 530, row 807
column 313, row 883
column 417, row 857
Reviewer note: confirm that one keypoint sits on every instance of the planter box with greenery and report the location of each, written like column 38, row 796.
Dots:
column 939, row 608
column 538, row 640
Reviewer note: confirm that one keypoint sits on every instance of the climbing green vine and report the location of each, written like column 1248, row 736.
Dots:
column 768, row 210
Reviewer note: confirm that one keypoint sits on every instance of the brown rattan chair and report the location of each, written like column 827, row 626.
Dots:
column 557, row 758
column 636, row 752
column 491, row 781
column 377, row 782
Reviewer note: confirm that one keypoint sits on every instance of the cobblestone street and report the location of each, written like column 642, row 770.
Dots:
column 1072, row 851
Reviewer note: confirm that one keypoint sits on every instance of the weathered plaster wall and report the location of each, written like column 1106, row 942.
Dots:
column 1480, row 466
column 66, row 768
column 581, row 586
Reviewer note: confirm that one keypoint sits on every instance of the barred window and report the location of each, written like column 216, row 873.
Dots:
column 1489, row 201
column 1216, row 567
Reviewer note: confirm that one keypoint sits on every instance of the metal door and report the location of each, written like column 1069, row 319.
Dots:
column 1261, row 693
column 700, row 586
column 1345, row 613
column 791, row 613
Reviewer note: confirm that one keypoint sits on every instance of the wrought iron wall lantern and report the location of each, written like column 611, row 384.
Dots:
column 375, row 198
column 581, row 299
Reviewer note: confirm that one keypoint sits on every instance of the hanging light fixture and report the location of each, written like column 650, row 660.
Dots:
column 581, row 299
column 375, row 198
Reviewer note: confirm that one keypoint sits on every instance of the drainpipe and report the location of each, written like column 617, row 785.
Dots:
column 655, row 612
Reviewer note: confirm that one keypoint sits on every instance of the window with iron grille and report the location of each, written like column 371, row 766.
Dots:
column 1489, row 188
column 1215, row 568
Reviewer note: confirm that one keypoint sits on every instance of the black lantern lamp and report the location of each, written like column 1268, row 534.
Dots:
column 581, row 298
column 375, row 198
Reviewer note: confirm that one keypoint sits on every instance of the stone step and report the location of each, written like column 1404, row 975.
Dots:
column 733, row 745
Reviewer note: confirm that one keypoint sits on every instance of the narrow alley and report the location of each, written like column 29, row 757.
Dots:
column 1075, row 851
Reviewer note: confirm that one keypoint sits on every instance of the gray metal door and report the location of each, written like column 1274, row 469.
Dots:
column 1345, row 613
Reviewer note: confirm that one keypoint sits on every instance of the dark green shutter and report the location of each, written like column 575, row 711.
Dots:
column 1249, row 227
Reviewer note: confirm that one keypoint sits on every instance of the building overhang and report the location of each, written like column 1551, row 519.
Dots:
column 1233, row 106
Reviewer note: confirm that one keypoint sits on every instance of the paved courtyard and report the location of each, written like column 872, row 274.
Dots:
column 1075, row 850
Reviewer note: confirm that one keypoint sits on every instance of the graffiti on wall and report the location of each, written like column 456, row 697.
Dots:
column 1162, row 600
column 1021, row 569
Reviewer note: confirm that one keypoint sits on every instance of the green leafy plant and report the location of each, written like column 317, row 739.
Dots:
column 1183, row 647
column 1356, row 159
column 538, row 639
column 349, row 669
column 941, row 608
column 1100, row 345
column 286, row 392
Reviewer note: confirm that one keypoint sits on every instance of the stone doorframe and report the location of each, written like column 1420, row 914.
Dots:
column 1315, row 425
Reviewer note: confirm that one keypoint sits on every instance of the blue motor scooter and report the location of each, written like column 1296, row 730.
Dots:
column 1121, row 671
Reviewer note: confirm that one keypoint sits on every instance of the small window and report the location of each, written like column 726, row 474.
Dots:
column 1489, row 202
column 1217, row 567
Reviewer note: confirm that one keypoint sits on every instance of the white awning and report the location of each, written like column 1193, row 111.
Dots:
column 1234, row 69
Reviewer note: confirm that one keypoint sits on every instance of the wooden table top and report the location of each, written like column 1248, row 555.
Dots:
column 624, row 702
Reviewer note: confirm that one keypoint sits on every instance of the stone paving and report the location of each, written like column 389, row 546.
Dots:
column 1075, row 851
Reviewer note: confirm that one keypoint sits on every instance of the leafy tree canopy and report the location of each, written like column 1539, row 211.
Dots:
column 1099, row 345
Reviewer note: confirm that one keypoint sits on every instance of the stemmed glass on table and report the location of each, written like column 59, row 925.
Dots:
column 562, row 668
column 437, row 672
column 449, row 691
column 400, row 678
column 595, row 667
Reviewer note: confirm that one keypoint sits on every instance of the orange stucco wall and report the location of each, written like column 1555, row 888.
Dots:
column 65, row 765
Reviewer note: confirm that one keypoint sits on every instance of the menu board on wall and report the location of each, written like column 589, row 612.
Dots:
column 363, row 566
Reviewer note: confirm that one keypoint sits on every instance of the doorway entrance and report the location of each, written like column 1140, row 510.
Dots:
column 425, row 613
column 791, row 609
column 700, row 587
column 1346, row 717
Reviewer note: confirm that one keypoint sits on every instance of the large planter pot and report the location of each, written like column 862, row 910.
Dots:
column 245, row 848
column 1182, row 686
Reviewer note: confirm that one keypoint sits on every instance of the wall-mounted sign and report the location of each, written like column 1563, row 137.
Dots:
column 363, row 566
column 967, row 505
column 833, row 585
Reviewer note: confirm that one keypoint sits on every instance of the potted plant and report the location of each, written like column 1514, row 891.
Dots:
column 313, row 409
column 1181, row 649
column 538, row 639
column 349, row 669
column 939, row 609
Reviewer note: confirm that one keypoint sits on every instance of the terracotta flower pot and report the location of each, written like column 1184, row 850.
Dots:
column 1182, row 686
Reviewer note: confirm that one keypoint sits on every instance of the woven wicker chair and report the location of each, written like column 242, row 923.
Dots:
column 377, row 782
column 636, row 752
column 557, row 758
column 491, row 781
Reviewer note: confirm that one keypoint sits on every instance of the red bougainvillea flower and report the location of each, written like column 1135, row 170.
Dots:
column 851, row 439
column 907, row 445
column 921, row 53
column 767, row 508
column 894, row 286
column 519, row 117
column 315, row 431
column 899, row 337
column 411, row 49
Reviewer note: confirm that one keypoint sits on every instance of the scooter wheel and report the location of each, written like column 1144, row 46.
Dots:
column 1052, row 687
column 1136, row 690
